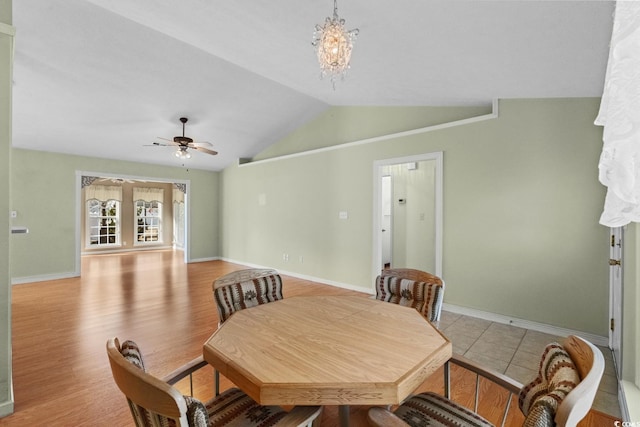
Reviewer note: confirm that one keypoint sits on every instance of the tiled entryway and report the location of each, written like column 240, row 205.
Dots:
column 516, row 352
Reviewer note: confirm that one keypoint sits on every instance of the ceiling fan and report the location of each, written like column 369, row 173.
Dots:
column 184, row 143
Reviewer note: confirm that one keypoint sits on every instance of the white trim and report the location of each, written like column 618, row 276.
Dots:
column 6, row 407
column 602, row 341
column 498, row 318
column 136, row 249
column 306, row 277
column 627, row 393
column 43, row 278
column 7, row 29
column 205, row 259
column 432, row 128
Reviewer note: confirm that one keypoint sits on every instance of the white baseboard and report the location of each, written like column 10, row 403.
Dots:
column 527, row 324
column 7, row 406
column 43, row 278
column 134, row 249
column 204, row 259
column 627, row 393
column 306, row 277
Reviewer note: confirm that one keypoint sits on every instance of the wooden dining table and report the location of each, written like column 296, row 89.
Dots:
column 327, row 350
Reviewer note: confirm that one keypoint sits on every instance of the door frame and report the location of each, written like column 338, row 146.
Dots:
column 388, row 228
column 616, row 276
column 378, row 166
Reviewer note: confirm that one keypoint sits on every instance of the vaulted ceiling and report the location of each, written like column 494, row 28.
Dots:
column 106, row 78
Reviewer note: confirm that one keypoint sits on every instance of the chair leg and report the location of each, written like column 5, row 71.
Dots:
column 217, row 381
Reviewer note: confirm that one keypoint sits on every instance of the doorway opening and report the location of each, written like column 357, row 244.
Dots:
column 173, row 210
column 407, row 213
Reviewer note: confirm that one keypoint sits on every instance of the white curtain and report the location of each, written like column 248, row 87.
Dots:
column 148, row 194
column 103, row 193
column 619, row 167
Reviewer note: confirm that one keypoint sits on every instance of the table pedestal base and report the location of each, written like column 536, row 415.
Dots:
column 343, row 415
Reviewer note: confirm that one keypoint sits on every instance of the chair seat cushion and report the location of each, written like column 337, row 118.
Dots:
column 233, row 408
column 431, row 409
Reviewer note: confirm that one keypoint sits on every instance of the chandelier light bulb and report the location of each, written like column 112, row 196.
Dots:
column 182, row 154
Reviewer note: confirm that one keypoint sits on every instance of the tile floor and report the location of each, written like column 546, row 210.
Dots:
column 516, row 352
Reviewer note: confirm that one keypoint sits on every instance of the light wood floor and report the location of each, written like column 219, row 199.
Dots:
column 61, row 373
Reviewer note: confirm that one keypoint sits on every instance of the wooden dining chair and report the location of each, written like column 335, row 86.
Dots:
column 413, row 288
column 243, row 289
column 155, row 402
column 561, row 395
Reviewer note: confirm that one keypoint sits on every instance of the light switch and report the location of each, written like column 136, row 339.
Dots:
column 343, row 215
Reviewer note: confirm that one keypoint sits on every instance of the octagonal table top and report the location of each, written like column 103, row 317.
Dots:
column 327, row 350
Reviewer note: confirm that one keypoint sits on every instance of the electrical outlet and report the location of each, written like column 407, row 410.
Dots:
column 14, row 214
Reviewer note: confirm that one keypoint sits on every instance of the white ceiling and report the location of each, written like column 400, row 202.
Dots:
column 104, row 78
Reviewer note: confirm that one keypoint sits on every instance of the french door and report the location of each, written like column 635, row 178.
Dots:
column 615, row 295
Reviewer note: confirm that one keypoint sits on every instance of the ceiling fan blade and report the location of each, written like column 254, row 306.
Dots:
column 200, row 144
column 204, row 150
column 162, row 144
column 165, row 139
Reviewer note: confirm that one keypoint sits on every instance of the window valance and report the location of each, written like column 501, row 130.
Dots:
column 103, row 192
column 178, row 196
column 148, row 194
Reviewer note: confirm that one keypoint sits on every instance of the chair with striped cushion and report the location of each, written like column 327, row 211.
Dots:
column 155, row 402
column 412, row 288
column 561, row 395
column 244, row 289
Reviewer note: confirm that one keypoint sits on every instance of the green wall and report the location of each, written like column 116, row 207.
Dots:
column 6, row 67
column 44, row 196
column 521, row 207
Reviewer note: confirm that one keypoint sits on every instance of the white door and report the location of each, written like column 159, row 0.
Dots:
column 385, row 221
column 615, row 296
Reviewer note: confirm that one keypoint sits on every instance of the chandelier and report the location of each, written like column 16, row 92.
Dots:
column 334, row 44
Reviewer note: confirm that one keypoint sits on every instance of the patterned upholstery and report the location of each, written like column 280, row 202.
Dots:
column 540, row 401
column 248, row 292
column 132, row 353
column 557, row 376
column 426, row 297
column 431, row 409
column 232, row 408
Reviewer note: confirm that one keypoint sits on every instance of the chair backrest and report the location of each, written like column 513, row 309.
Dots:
column 413, row 288
column 590, row 364
column 566, row 385
column 151, row 400
column 246, row 288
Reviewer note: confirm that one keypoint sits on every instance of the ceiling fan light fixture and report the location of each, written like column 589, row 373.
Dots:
column 182, row 153
column 333, row 45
